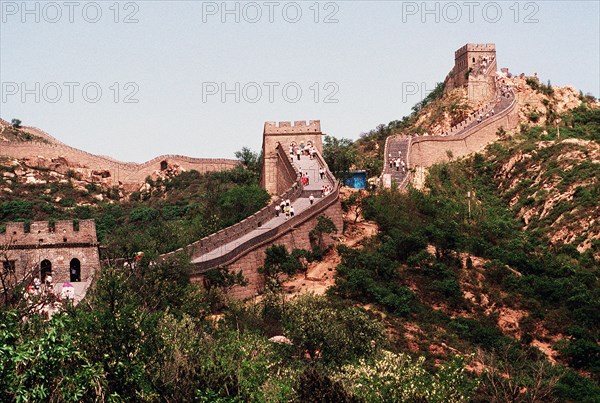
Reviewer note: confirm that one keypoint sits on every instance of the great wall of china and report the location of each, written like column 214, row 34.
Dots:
column 130, row 175
column 469, row 136
column 242, row 246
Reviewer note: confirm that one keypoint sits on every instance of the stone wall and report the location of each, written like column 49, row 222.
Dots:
column 58, row 245
column 131, row 175
column 293, row 235
column 428, row 150
column 245, row 226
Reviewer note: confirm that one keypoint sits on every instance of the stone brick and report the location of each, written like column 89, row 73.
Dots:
column 63, row 246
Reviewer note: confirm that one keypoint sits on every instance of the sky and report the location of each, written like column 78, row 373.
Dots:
column 137, row 79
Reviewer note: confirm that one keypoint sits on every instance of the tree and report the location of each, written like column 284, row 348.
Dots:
column 354, row 203
column 278, row 263
column 511, row 377
column 40, row 361
column 340, row 155
column 250, row 159
column 324, row 226
column 332, row 334
column 315, row 386
column 241, row 202
column 16, row 123
column 398, row 378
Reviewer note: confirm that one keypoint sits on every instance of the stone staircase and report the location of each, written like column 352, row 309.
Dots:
column 396, row 147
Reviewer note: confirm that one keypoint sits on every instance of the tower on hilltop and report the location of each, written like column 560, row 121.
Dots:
column 474, row 68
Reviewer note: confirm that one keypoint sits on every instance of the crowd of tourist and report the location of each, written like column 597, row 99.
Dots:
column 398, row 163
column 298, row 150
column 285, row 207
column 326, row 189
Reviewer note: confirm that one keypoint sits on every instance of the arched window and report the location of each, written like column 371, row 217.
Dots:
column 75, row 270
column 163, row 165
column 45, row 269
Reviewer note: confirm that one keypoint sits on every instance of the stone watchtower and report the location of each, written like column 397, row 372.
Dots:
column 274, row 178
column 474, row 68
column 67, row 253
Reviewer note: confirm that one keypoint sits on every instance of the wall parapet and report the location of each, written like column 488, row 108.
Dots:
column 475, row 47
column 298, row 127
column 43, row 234
column 268, row 236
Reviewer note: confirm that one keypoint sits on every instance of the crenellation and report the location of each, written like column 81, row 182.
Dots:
column 39, row 228
column 63, row 227
column 60, row 250
column 14, row 229
column 43, row 232
column 87, row 227
column 298, row 127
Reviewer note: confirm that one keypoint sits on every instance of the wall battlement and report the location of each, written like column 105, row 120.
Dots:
column 475, row 47
column 42, row 233
column 298, row 127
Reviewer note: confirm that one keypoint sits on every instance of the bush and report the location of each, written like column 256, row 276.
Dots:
column 332, row 334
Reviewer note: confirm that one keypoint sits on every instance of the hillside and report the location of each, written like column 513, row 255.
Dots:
column 169, row 212
column 482, row 285
column 37, row 149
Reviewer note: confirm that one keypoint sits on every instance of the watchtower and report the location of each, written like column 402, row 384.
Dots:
column 300, row 133
column 475, row 68
column 69, row 254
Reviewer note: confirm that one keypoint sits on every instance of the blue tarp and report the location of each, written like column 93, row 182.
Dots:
column 356, row 180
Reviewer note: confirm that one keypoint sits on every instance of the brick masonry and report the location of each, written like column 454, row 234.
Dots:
column 296, row 238
column 61, row 247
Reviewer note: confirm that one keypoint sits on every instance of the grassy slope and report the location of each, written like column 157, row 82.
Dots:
column 453, row 281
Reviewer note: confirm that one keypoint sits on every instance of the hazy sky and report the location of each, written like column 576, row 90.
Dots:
column 141, row 78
